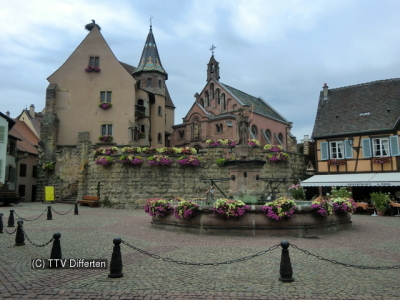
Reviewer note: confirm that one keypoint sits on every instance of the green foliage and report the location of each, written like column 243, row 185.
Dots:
column 220, row 161
column 380, row 200
column 340, row 193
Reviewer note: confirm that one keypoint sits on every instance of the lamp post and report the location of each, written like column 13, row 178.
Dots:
column 351, row 143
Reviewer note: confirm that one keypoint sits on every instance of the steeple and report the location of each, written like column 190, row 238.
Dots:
column 150, row 60
column 212, row 68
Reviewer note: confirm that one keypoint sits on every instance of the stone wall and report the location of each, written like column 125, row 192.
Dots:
column 128, row 186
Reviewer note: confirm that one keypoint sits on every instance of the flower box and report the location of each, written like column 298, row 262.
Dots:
column 149, row 150
column 106, row 151
column 381, row 160
column 92, row 69
column 229, row 208
column 280, row 208
column 253, row 142
column 275, row 153
column 159, row 160
column 131, row 150
column 221, row 142
column 106, row 138
column 336, row 162
column 104, row 160
column 189, row 160
column 130, row 159
column 105, row 105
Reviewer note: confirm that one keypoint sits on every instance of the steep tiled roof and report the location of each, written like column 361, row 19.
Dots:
column 260, row 106
column 168, row 100
column 150, row 60
column 28, row 140
column 372, row 106
column 128, row 67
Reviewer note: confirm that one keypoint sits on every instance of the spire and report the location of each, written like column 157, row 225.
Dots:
column 212, row 67
column 150, row 60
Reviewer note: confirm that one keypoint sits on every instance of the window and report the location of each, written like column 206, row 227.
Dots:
column 280, row 136
column 159, row 111
column 181, row 134
column 254, row 131
column 149, row 82
column 94, row 61
column 268, row 136
column 336, row 150
column 207, row 101
column 219, row 128
column 12, row 147
column 10, row 173
column 380, row 147
column 159, row 138
column 202, row 102
column 105, row 97
column 22, row 170
column 2, row 133
column 159, row 84
column 218, row 97
column 234, row 107
column 223, row 101
column 212, row 90
column 138, row 83
column 34, row 171
column 106, row 129
column 142, row 128
column 21, row 190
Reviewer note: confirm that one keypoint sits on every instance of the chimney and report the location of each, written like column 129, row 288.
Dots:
column 8, row 113
column 32, row 110
column 306, row 138
column 325, row 92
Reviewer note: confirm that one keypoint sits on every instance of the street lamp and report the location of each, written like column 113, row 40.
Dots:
column 351, row 143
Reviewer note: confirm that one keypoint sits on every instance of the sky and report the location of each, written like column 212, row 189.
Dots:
column 281, row 51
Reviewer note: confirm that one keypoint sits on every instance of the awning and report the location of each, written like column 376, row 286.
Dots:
column 362, row 179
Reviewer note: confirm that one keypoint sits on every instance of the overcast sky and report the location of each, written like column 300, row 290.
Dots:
column 281, row 51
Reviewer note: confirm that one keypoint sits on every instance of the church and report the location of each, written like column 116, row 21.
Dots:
column 218, row 112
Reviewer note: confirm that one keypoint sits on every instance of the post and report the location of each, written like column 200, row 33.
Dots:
column 286, row 267
column 49, row 215
column 76, row 212
column 116, row 260
column 1, row 223
column 11, row 219
column 19, row 236
column 56, row 249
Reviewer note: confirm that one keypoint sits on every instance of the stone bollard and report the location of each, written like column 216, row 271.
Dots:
column 11, row 219
column 49, row 215
column 19, row 236
column 76, row 212
column 56, row 250
column 1, row 223
column 286, row 267
column 116, row 260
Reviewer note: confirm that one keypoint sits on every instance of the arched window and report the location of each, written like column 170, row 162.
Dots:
column 138, row 83
column 159, row 83
column 280, row 136
column 159, row 138
column 268, row 136
column 223, row 101
column 202, row 102
column 218, row 97
column 212, row 68
column 142, row 128
column 207, row 101
column 254, row 131
column 140, row 102
column 159, row 111
column 149, row 82
column 234, row 107
column 212, row 90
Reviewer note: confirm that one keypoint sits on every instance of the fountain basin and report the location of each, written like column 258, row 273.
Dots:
column 305, row 223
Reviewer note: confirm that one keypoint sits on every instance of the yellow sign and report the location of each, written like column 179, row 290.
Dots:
column 49, row 193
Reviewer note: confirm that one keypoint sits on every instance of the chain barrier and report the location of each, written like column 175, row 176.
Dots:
column 345, row 264
column 29, row 240
column 201, row 264
column 58, row 213
column 10, row 232
column 27, row 219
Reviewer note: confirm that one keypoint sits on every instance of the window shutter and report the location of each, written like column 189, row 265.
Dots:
column 2, row 133
column 103, row 97
column 324, row 151
column 108, row 97
column 366, row 147
column 394, row 145
column 348, row 150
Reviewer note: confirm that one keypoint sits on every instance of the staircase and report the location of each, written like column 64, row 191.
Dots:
column 72, row 197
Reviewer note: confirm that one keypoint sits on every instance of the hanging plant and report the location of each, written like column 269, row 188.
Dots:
column 105, row 105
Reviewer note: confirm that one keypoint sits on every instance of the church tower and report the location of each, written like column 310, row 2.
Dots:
column 212, row 69
column 150, row 74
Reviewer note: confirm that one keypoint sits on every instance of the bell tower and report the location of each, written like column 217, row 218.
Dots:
column 212, row 67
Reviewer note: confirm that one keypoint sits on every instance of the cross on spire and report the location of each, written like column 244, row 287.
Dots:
column 151, row 17
column 212, row 49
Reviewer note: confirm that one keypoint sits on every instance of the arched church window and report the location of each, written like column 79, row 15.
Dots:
column 254, row 131
column 149, row 82
column 223, row 101
column 212, row 90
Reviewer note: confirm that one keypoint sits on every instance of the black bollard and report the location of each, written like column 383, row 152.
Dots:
column 19, row 236
column 56, row 251
column 11, row 219
column 286, row 267
column 49, row 215
column 116, row 260
column 76, row 209
column 1, row 223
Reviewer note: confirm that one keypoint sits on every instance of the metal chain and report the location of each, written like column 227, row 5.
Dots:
column 27, row 219
column 36, row 244
column 201, row 264
column 345, row 264
column 10, row 232
column 58, row 213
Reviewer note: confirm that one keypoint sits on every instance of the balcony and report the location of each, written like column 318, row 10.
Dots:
column 140, row 111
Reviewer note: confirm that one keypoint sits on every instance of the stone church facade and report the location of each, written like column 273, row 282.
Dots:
column 215, row 112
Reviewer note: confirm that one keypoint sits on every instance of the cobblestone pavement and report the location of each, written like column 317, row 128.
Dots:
column 373, row 241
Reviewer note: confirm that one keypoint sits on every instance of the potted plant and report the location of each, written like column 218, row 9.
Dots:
column 185, row 209
column 343, row 205
column 381, row 160
column 189, row 160
column 131, row 150
column 188, row 150
column 159, row 160
column 130, row 159
column 105, row 105
column 157, row 207
column 275, row 153
column 297, row 192
column 106, row 151
column 149, row 150
column 282, row 207
column 323, row 207
column 92, row 69
column 106, row 138
column 380, row 201
column 213, row 142
column 229, row 208
column 104, row 160
column 253, row 142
